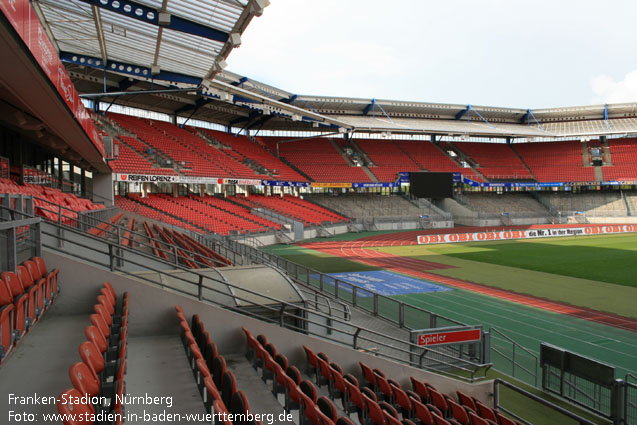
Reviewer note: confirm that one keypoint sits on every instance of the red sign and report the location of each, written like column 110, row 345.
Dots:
column 453, row 337
column 25, row 21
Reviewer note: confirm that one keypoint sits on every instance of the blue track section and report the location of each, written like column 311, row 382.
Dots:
column 387, row 283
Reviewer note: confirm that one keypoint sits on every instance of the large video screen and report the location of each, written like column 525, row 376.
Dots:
column 431, row 185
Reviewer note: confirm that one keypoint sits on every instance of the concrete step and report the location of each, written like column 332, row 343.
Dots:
column 370, row 174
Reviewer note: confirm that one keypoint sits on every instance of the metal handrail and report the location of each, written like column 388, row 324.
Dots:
column 116, row 252
column 515, row 344
column 496, row 403
column 172, row 250
column 116, row 231
column 262, row 257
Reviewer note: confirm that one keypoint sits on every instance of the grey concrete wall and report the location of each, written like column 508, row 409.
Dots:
column 103, row 189
column 607, row 220
column 152, row 313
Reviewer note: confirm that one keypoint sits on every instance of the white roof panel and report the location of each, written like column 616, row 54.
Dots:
column 73, row 26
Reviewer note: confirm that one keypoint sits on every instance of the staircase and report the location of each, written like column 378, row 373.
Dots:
column 445, row 153
column 608, row 159
column 295, row 168
column 339, row 150
column 523, row 163
column 599, row 176
column 370, row 174
column 158, row 159
column 468, row 160
column 629, row 205
column 409, row 156
column 586, row 158
column 361, row 153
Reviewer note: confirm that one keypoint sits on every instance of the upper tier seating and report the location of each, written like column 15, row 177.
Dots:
column 555, row 161
column 624, row 157
column 191, row 153
column 389, row 158
column 130, row 161
column 290, row 206
column 317, row 158
column 255, row 152
column 495, row 160
column 431, row 158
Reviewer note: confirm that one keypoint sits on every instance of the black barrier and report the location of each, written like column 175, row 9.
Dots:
column 585, row 382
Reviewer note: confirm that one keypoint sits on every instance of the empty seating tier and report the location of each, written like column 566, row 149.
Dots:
column 375, row 399
column 25, row 295
column 46, row 200
column 495, row 160
column 624, row 158
column 131, row 161
column 190, row 153
column 389, row 158
column 318, row 158
column 98, row 380
column 555, row 161
column 293, row 207
column 254, row 151
column 207, row 213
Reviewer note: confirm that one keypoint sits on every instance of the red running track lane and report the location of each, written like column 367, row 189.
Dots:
column 357, row 251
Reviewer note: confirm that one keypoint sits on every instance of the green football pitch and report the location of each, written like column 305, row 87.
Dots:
column 598, row 272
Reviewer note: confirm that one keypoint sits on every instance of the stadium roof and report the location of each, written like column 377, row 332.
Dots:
column 179, row 37
column 168, row 56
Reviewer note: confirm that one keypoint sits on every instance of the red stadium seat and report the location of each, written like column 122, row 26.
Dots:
column 81, row 411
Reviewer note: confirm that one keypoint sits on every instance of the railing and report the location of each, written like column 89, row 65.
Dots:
column 117, row 233
column 630, row 400
column 4, row 167
column 224, row 294
column 513, row 359
column 112, row 231
column 19, row 241
column 593, row 213
column 557, row 410
column 92, row 218
column 394, row 311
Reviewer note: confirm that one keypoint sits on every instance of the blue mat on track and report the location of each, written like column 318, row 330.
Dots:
column 386, row 283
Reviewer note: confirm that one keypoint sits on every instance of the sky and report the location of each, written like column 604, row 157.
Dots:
column 507, row 53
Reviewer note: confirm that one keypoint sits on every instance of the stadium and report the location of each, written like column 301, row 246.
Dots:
column 185, row 244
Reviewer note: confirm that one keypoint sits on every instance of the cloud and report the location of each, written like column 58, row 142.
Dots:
column 607, row 90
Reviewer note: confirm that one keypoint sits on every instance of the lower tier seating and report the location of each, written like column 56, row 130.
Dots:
column 216, row 382
column 98, row 380
column 47, row 201
column 293, row 207
column 375, row 399
column 25, row 295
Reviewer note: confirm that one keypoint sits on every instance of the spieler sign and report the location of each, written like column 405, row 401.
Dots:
column 450, row 337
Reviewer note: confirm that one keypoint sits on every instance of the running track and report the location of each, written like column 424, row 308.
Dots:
column 357, row 251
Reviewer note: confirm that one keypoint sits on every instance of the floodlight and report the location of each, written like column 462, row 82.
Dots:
column 257, row 6
column 164, row 19
column 235, row 39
